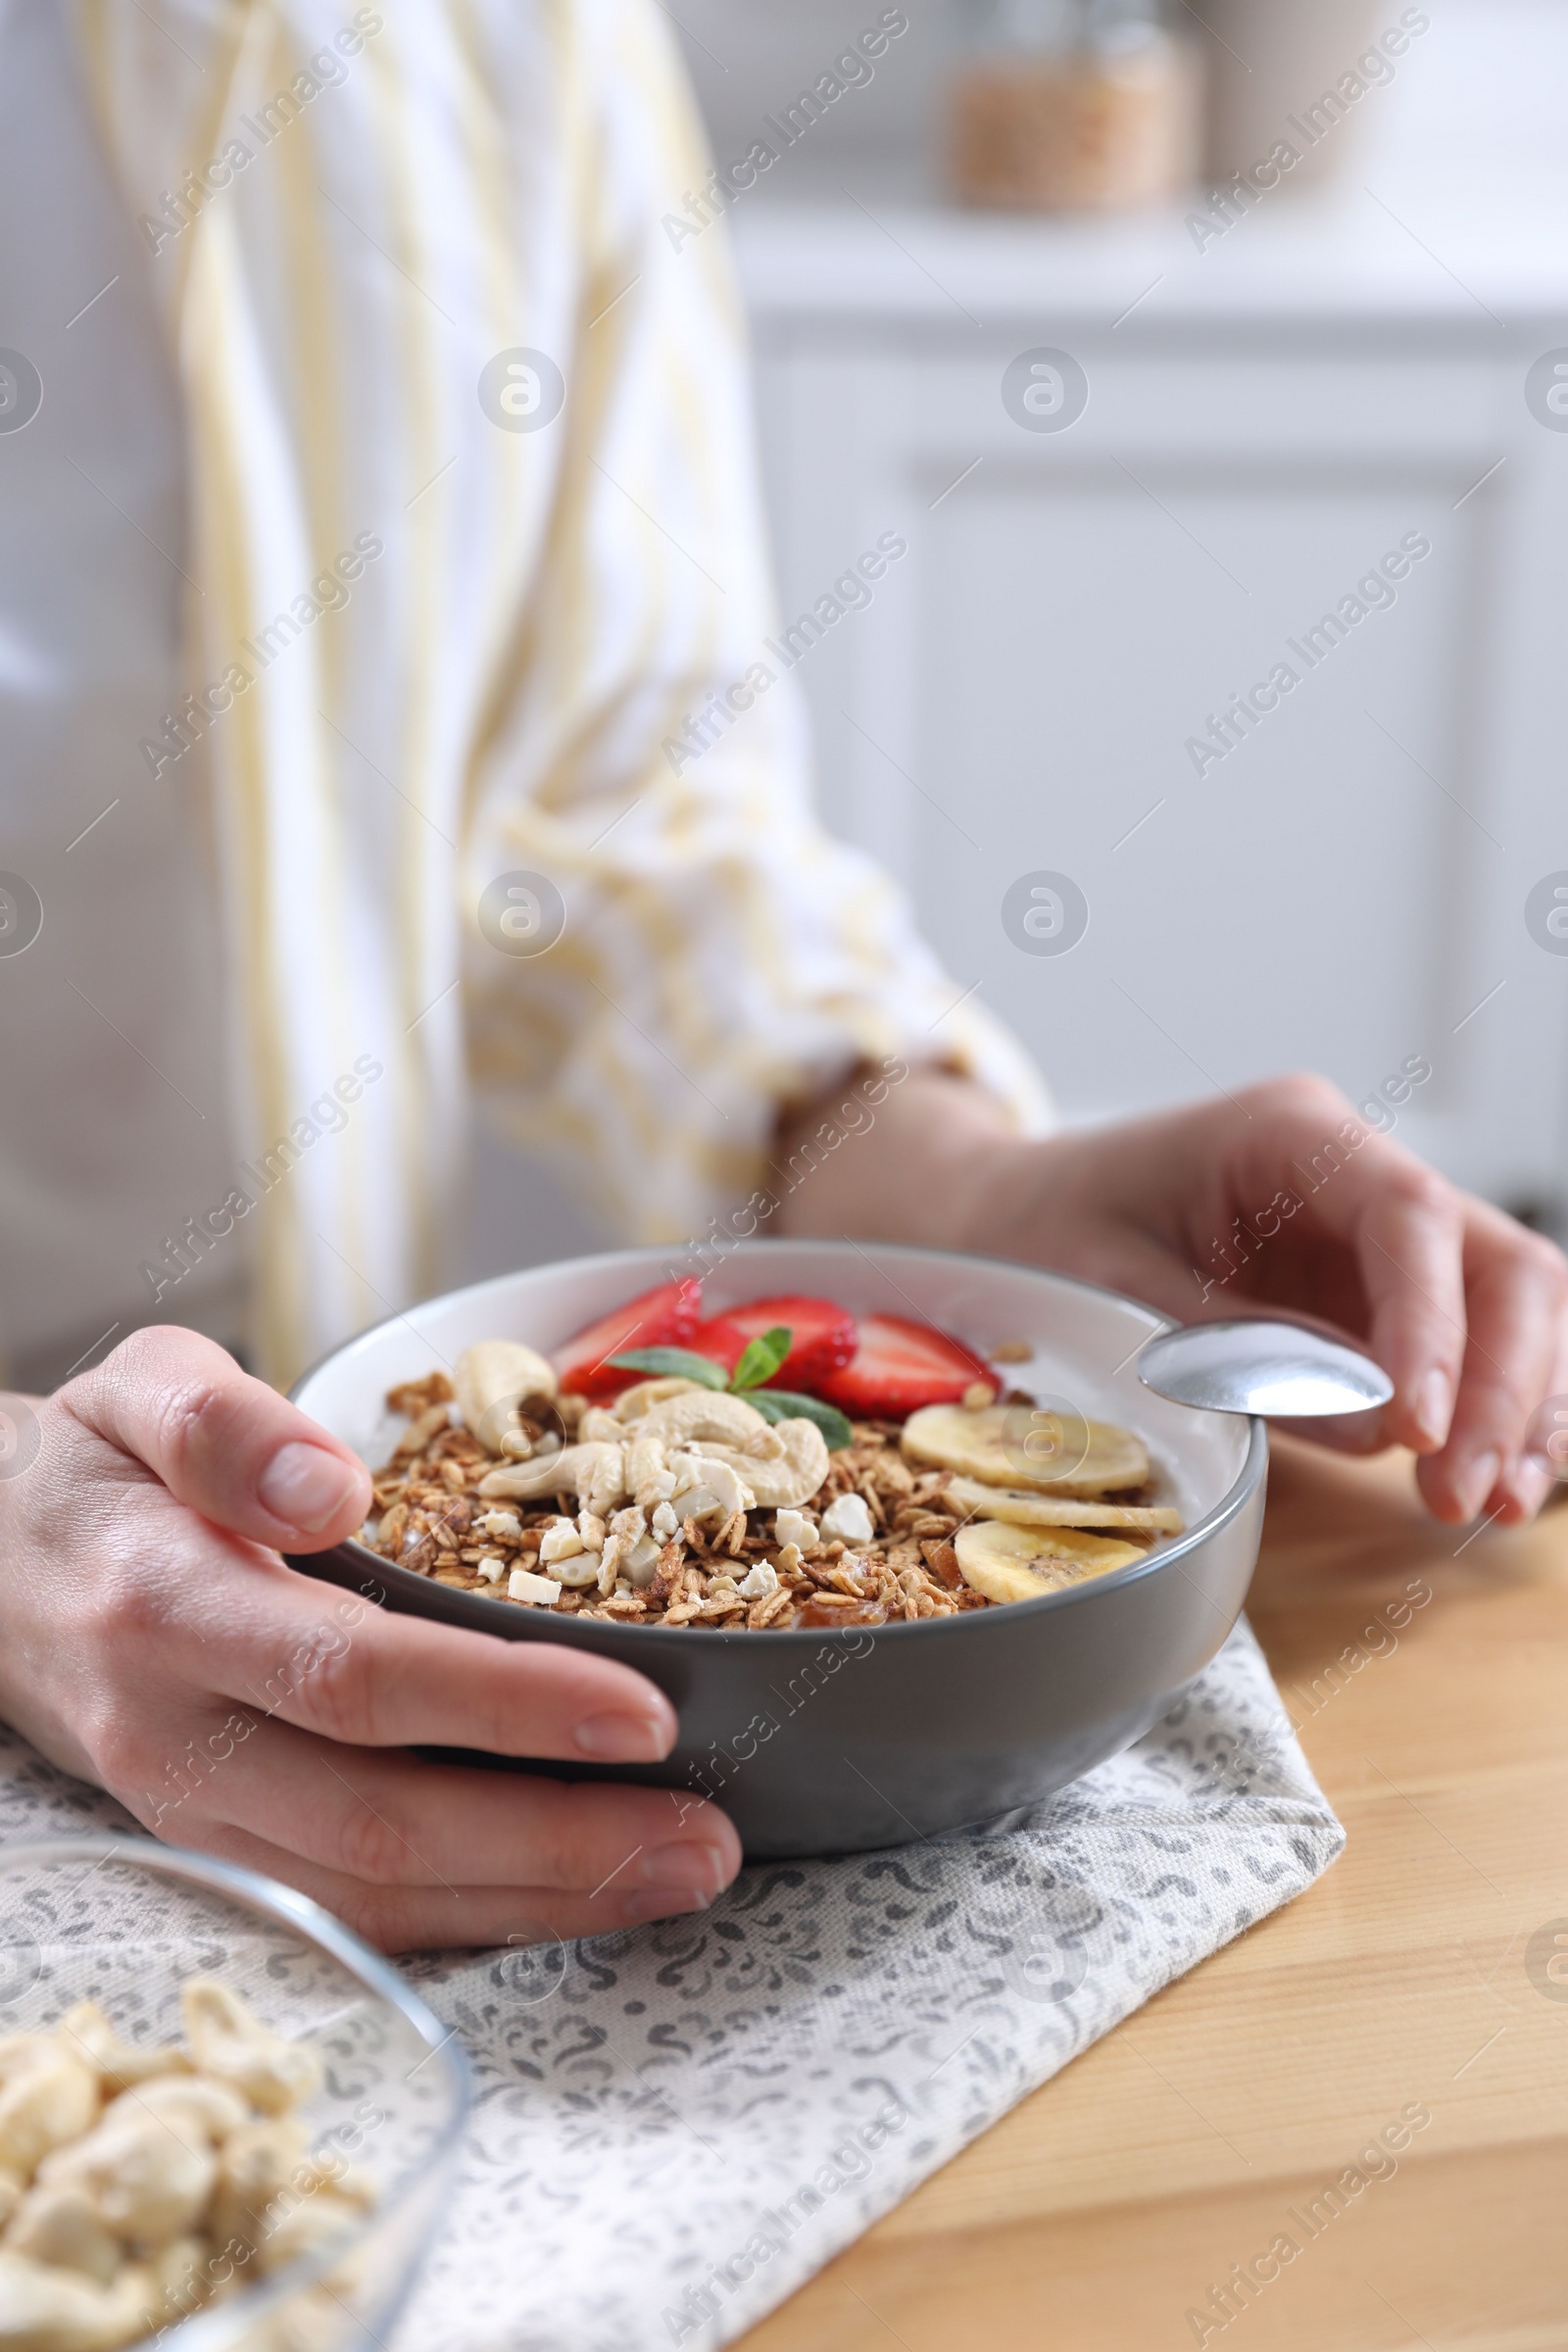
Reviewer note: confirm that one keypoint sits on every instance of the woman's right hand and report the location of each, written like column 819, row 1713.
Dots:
column 153, row 1641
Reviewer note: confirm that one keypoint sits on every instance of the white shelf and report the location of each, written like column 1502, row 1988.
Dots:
column 1308, row 261
column 1452, row 208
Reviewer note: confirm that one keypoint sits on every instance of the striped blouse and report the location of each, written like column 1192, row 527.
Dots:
column 477, row 622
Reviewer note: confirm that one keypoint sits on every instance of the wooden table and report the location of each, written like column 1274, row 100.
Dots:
column 1098, row 2213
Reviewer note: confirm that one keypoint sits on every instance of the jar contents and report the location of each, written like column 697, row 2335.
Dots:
column 1071, row 106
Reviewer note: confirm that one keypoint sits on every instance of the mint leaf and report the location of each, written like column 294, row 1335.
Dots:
column 761, row 1357
column 672, row 1363
column 781, row 1405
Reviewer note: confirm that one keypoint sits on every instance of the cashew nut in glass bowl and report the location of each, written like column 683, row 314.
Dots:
column 250, row 2160
column 138, row 2186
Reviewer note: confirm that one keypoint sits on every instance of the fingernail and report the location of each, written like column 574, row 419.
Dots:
column 1475, row 1482
column 635, row 1908
column 697, row 1868
column 305, row 1486
column 622, row 1739
column 1530, row 1482
column 1434, row 1406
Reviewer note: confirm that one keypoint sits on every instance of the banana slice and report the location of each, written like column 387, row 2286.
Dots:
column 1051, row 1511
column 1019, row 1446
column 1019, row 1563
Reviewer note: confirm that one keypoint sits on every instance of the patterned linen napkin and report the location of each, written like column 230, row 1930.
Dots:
column 677, row 2126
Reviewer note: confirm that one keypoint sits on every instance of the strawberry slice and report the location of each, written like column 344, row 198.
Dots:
column 719, row 1340
column 900, row 1366
column 823, row 1337
column 665, row 1317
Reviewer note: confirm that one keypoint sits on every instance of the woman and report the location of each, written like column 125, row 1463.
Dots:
column 378, row 478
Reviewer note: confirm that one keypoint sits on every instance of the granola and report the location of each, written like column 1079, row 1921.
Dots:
column 693, row 1498
column 662, row 1566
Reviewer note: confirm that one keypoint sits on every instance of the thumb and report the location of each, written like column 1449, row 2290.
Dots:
column 226, row 1445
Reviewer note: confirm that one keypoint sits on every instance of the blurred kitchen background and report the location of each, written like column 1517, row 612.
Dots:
column 1289, row 376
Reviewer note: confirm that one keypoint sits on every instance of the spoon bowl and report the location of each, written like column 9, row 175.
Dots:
column 1280, row 1371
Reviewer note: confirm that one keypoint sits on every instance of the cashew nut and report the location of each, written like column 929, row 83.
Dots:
column 770, row 1464
column 46, row 2099
column 717, row 1419
column 63, row 2226
column 181, row 2281
column 633, row 1402
column 255, row 2167
column 195, row 2107
column 493, row 1378
column 706, row 1488
column 174, row 2167
column 648, row 1475
column 628, row 1531
column 599, row 1427
column 565, row 1556
column 594, row 1473
column 236, row 2049
column 607, row 1482
column 560, row 1542
column 322, row 2215
column 146, row 2179
column 47, row 2310
column 790, row 1477
column 89, row 2035
column 640, row 1565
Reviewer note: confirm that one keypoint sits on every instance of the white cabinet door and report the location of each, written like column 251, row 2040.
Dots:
column 1345, row 888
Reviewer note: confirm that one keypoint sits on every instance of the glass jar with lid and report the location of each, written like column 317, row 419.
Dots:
column 1070, row 106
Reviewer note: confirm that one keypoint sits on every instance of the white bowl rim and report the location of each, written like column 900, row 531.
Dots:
column 1253, row 1467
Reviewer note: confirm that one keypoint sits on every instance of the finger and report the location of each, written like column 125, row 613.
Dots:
column 1405, row 1226
column 1521, row 1489
column 283, row 1647
column 391, row 1820
column 1517, row 1287
column 411, row 1918
column 1544, row 1464
column 1308, row 1172
column 226, row 1445
column 1431, row 1263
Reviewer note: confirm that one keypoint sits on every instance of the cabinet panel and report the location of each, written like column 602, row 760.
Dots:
column 1275, row 909
column 1345, row 886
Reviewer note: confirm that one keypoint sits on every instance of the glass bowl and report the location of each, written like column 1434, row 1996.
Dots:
column 125, row 1922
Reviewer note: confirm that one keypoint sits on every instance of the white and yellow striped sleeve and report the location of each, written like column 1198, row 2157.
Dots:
column 722, row 956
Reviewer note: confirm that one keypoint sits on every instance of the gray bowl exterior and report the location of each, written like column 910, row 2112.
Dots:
column 823, row 1743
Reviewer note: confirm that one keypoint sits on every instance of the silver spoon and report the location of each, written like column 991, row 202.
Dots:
column 1253, row 1366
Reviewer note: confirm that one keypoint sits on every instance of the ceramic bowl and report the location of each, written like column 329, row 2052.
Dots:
column 827, row 1741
